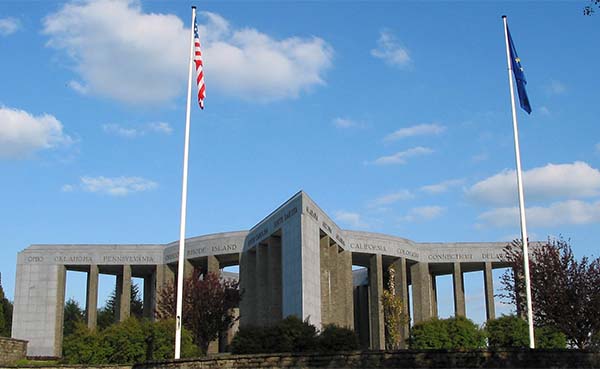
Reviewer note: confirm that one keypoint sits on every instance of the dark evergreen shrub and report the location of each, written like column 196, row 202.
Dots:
column 452, row 333
column 333, row 338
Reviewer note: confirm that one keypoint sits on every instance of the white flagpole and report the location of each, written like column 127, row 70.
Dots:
column 181, row 260
column 520, row 188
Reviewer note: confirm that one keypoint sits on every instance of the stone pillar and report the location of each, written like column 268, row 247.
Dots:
column 262, row 278
column 60, row 308
column 326, row 282
column 213, row 266
column 149, row 295
column 188, row 268
column 421, row 288
column 91, row 306
column 248, row 285
column 123, row 307
column 375, row 306
column 459, row 290
column 434, row 307
column 488, row 280
column 274, row 255
column 347, row 286
column 401, row 286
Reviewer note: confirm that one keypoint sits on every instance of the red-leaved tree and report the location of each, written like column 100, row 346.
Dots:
column 565, row 291
column 208, row 303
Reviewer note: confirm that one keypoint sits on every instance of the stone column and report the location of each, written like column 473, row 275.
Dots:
column 91, row 307
column 149, row 295
column 434, row 307
column 375, row 306
column 421, row 288
column 60, row 308
column 275, row 303
column 262, row 278
column 347, row 287
column 325, row 270
column 124, row 294
column 213, row 266
column 459, row 290
column 401, row 286
column 488, row 280
column 248, row 285
column 188, row 268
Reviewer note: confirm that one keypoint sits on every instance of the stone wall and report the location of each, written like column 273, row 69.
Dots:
column 509, row 359
column 397, row 359
column 12, row 350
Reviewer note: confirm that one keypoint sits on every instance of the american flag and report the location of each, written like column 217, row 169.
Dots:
column 199, row 72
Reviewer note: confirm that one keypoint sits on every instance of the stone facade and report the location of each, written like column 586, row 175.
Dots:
column 296, row 261
column 12, row 350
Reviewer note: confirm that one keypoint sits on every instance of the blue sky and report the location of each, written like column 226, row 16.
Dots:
column 393, row 117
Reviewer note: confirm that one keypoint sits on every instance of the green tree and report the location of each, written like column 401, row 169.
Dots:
column 6, row 309
column 208, row 303
column 73, row 314
column 452, row 333
column 507, row 331
column 107, row 315
column 394, row 318
column 130, row 341
column 334, row 339
column 512, row 331
column 565, row 291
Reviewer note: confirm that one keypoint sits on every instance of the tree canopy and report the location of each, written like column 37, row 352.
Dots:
column 565, row 291
column 208, row 303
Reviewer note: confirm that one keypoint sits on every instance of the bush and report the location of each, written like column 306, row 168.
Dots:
column 292, row 335
column 296, row 335
column 549, row 338
column 451, row 333
column 507, row 331
column 83, row 346
column 161, row 343
column 334, row 338
column 126, row 342
column 512, row 331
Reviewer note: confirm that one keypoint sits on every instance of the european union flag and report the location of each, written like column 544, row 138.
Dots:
column 519, row 75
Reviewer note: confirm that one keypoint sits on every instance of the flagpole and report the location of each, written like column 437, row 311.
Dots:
column 520, row 189
column 181, row 259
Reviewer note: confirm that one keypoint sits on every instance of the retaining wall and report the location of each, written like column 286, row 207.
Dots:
column 12, row 350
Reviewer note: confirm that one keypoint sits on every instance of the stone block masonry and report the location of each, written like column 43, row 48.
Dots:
column 295, row 261
column 12, row 350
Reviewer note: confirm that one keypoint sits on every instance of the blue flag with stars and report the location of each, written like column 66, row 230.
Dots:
column 519, row 75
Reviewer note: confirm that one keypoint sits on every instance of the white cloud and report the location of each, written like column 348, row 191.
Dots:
column 78, row 87
column 160, row 127
column 391, row 198
column 346, row 123
column 570, row 212
column 545, row 111
column 553, row 181
column 400, row 157
column 67, row 188
column 479, row 157
column 9, row 26
column 423, row 213
column 350, row 218
column 556, row 88
column 133, row 132
column 22, row 134
column 120, row 52
column 442, row 186
column 389, row 50
column 116, row 186
column 418, row 130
